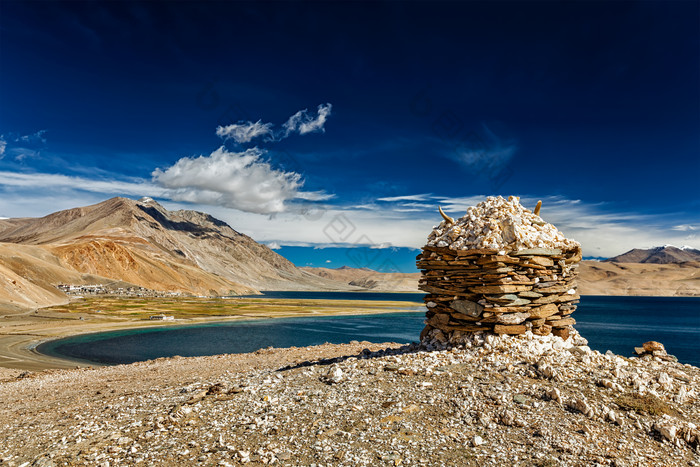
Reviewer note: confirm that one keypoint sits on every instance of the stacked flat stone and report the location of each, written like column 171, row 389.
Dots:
column 522, row 281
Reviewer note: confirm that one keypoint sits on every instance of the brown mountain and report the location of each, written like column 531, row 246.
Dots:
column 369, row 279
column 142, row 243
column 651, row 279
column 667, row 254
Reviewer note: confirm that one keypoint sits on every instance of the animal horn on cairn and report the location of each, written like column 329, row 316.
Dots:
column 537, row 208
column 499, row 269
column 447, row 218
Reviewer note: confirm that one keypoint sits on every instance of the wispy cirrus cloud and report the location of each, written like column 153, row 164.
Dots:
column 301, row 122
column 420, row 197
column 685, row 227
column 244, row 132
column 47, row 181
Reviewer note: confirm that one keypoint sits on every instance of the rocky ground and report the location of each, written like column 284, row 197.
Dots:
column 524, row 400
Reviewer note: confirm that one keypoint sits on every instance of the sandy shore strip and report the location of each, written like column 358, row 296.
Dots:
column 21, row 333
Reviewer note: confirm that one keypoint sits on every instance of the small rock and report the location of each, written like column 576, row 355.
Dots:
column 651, row 346
column 582, row 406
column 545, row 370
column 554, row 394
column 478, row 441
column 507, row 418
column 519, row 399
column 334, row 376
column 580, row 350
column 666, row 429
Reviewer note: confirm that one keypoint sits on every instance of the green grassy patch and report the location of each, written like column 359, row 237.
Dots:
column 193, row 308
column 646, row 404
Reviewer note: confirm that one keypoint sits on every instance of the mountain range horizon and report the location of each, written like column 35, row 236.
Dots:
column 139, row 243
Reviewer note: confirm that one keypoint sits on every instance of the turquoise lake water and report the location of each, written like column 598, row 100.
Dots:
column 609, row 323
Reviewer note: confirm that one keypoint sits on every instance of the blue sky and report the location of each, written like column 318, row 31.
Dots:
column 332, row 131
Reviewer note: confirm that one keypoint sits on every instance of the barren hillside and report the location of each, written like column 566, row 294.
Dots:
column 370, row 279
column 607, row 278
column 142, row 243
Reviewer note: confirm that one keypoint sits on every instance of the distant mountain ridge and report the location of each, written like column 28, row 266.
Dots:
column 667, row 254
column 144, row 244
column 125, row 243
column 370, row 279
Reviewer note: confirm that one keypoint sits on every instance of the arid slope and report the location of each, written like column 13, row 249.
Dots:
column 608, row 278
column 369, row 279
column 142, row 243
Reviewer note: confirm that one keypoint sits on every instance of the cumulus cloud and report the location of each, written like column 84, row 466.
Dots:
column 238, row 180
column 303, row 123
column 244, row 132
column 3, row 145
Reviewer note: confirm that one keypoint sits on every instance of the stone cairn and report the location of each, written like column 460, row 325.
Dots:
column 499, row 269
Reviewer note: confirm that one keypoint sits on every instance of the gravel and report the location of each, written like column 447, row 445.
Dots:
column 523, row 400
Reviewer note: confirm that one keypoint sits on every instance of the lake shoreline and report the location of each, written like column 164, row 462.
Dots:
column 22, row 333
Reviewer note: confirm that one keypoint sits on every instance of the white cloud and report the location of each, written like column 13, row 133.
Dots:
column 244, row 132
column 238, row 180
column 3, row 145
column 685, row 227
column 328, row 261
column 302, row 123
column 44, row 181
column 420, row 197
